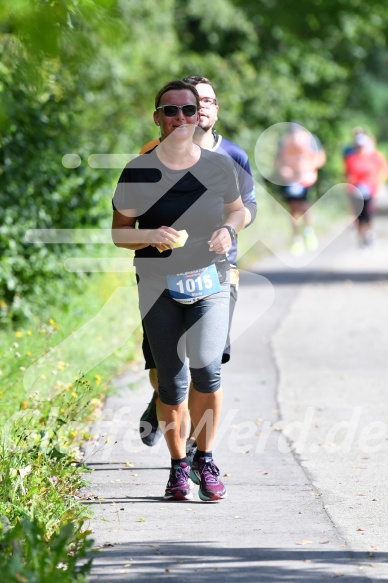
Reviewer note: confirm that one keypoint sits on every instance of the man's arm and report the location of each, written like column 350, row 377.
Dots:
column 245, row 179
column 248, row 194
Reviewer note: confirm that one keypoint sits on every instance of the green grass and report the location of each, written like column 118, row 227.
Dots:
column 54, row 348
column 55, row 373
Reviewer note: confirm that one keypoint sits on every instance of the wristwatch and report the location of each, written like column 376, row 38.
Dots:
column 231, row 231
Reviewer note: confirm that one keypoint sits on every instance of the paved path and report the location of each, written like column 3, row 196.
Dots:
column 302, row 442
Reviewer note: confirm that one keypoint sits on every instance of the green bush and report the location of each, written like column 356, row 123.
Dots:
column 38, row 124
column 27, row 556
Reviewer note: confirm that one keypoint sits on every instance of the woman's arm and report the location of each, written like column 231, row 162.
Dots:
column 220, row 241
column 124, row 234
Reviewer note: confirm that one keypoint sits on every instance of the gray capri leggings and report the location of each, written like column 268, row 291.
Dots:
column 177, row 332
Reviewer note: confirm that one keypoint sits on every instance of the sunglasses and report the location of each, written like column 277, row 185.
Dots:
column 172, row 110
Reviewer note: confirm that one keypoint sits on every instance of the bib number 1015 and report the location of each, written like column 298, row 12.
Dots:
column 192, row 284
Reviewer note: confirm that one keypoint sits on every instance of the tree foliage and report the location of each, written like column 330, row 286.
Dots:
column 37, row 97
column 80, row 76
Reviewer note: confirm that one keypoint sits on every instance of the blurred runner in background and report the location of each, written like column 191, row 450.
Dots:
column 299, row 157
column 366, row 170
column 352, row 147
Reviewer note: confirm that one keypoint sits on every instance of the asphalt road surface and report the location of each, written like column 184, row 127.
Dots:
column 302, row 443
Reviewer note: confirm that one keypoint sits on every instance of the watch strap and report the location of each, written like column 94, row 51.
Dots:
column 231, row 231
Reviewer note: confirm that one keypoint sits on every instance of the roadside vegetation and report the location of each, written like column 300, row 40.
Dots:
column 42, row 534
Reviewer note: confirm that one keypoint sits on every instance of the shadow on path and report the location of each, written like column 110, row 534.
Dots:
column 294, row 277
column 195, row 562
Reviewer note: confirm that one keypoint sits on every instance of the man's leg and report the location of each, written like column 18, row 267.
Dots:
column 367, row 234
column 150, row 432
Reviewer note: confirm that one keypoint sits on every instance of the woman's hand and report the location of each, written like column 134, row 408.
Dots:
column 220, row 241
column 162, row 238
column 234, row 216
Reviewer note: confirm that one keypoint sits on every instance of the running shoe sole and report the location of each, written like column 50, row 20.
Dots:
column 178, row 496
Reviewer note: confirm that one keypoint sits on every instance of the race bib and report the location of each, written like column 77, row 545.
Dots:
column 191, row 286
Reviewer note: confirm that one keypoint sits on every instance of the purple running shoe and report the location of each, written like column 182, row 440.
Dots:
column 178, row 485
column 205, row 474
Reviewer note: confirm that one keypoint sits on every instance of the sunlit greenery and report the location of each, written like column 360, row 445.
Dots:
column 80, row 76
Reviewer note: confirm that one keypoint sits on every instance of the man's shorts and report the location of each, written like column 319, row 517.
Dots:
column 295, row 192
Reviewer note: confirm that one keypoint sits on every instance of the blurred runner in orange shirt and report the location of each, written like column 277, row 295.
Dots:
column 299, row 157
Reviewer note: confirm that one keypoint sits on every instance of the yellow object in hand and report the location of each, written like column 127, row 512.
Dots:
column 180, row 242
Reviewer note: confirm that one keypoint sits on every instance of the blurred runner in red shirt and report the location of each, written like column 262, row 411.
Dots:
column 366, row 169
